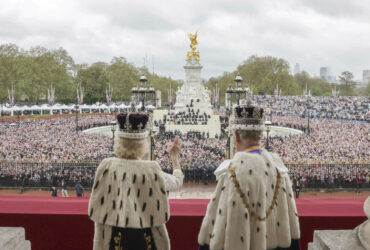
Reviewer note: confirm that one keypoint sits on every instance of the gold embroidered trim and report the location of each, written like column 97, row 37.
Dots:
column 244, row 198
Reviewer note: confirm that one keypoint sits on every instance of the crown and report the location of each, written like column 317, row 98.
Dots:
column 249, row 117
column 132, row 125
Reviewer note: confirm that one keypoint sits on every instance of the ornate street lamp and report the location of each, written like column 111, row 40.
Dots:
column 113, row 128
column 238, row 91
column 268, row 129
column 143, row 93
column 77, row 110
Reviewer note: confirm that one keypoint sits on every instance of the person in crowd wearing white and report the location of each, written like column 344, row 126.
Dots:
column 129, row 202
column 253, row 205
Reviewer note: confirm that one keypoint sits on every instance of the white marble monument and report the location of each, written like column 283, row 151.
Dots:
column 356, row 239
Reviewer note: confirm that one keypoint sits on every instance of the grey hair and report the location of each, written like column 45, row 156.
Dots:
column 130, row 148
column 250, row 134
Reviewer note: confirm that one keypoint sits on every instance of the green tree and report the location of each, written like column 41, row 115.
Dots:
column 367, row 90
column 348, row 85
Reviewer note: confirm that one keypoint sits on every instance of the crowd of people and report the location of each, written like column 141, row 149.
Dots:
column 53, row 140
column 30, row 151
column 189, row 117
column 344, row 107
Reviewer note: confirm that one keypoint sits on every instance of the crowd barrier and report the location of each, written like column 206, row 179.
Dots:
column 47, row 174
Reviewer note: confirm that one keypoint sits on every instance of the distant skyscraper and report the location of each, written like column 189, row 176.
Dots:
column 366, row 76
column 325, row 74
column 297, row 69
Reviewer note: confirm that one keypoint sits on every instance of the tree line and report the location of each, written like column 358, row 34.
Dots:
column 33, row 71
column 264, row 74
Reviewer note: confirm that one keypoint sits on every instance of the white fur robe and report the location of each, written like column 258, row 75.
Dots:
column 228, row 225
column 131, row 194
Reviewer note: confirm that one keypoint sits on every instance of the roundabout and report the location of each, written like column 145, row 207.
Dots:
column 276, row 131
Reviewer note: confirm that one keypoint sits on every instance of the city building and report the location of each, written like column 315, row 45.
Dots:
column 297, row 69
column 366, row 76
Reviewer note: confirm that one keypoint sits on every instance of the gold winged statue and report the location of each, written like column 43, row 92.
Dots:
column 193, row 43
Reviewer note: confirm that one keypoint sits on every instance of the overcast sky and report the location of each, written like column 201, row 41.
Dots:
column 314, row 33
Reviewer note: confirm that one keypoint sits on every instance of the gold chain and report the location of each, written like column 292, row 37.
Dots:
column 244, row 198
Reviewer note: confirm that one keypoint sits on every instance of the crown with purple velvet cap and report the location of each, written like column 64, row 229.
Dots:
column 249, row 117
column 132, row 125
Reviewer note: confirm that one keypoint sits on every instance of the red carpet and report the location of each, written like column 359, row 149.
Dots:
column 62, row 223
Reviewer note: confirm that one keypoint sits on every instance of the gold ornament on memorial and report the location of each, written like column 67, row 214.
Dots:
column 193, row 43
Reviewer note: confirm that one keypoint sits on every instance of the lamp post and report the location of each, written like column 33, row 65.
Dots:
column 143, row 92
column 113, row 128
column 1, row 112
column 308, row 118
column 77, row 108
column 268, row 129
column 238, row 91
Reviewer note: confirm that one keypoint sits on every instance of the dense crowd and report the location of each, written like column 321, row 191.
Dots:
column 344, row 140
column 347, row 108
column 328, row 141
column 199, row 157
column 53, row 140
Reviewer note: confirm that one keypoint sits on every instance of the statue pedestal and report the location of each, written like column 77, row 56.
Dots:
column 13, row 238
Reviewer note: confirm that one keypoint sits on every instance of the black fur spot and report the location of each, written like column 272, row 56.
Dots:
column 119, row 190
column 120, row 205
column 109, row 189
column 105, row 171
column 117, row 220
column 266, row 173
column 253, row 204
column 151, row 220
column 134, row 180
column 241, row 161
column 128, row 191
column 144, row 206
column 91, row 212
column 96, row 185
column 268, row 164
column 143, row 178
column 266, row 194
column 114, row 204
column 213, row 222
column 141, row 223
column 259, row 204
column 242, row 239
column 103, row 234
column 102, row 200
column 258, row 229
column 272, row 186
column 250, row 171
column 248, row 193
column 155, row 177
column 223, row 188
column 219, row 211
column 124, row 176
column 246, row 215
column 278, row 224
column 158, row 205
column 162, row 190
column 138, row 193
column 135, row 206
column 105, row 218
column 166, row 216
column 126, row 221
column 150, row 192
column 115, row 176
column 233, row 203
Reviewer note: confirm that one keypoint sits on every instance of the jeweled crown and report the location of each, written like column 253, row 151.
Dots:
column 249, row 117
column 133, row 125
